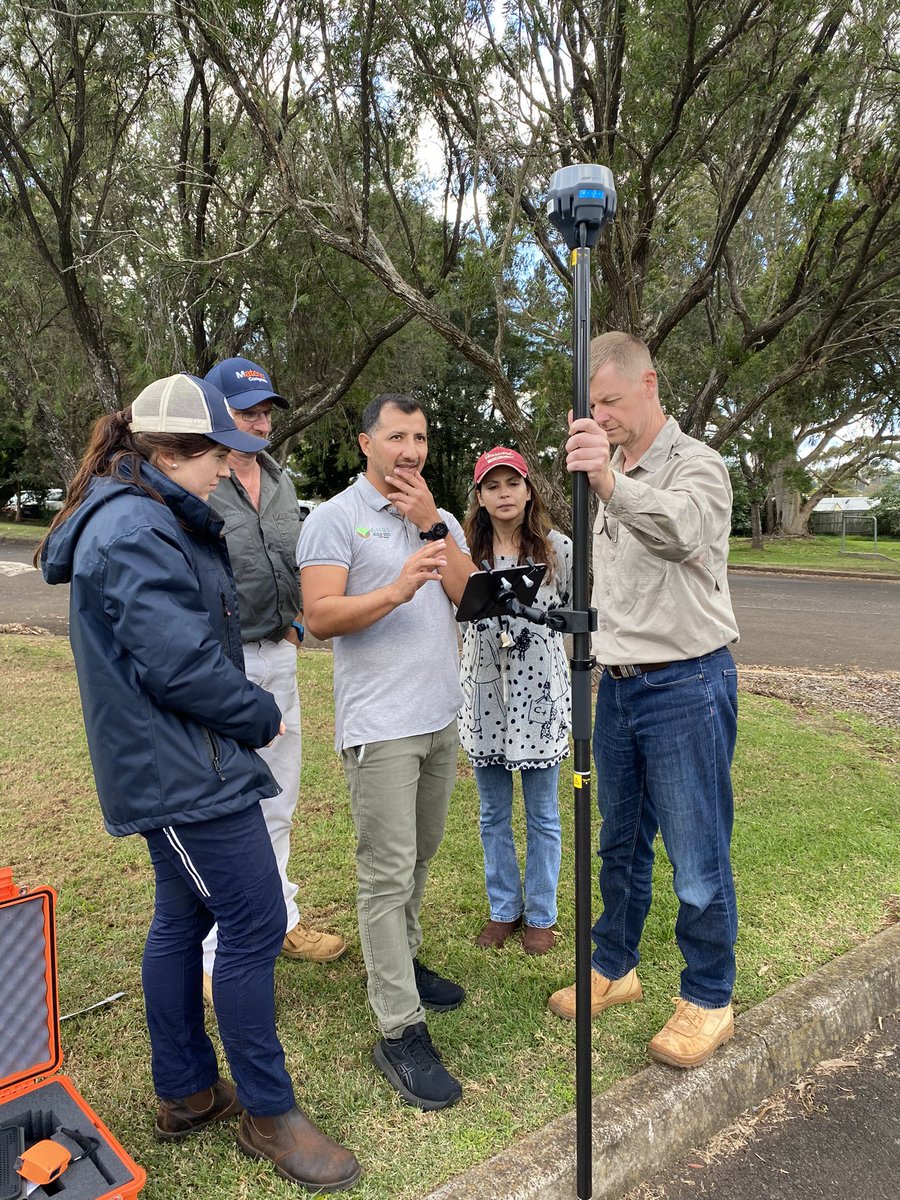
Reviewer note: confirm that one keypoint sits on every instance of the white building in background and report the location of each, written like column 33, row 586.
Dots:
column 837, row 504
column 829, row 514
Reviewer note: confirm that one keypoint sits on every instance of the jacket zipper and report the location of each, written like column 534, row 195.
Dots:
column 213, row 752
column 226, row 617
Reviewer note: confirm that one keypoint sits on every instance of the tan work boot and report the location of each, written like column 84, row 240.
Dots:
column 178, row 1119
column 690, row 1037
column 299, row 1151
column 604, row 993
column 312, row 944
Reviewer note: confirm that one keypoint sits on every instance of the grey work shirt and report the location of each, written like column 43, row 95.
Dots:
column 397, row 678
column 262, row 548
column 660, row 555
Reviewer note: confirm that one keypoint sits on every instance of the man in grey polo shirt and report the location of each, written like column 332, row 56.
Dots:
column 258, row 506
column 666, row 721
column 381, row 568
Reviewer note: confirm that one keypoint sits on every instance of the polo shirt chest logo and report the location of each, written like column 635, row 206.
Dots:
column 376, row 531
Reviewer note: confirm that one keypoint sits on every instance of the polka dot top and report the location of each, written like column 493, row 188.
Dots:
column 515, row 680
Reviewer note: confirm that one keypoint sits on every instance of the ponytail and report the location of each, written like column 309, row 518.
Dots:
column 116, row 451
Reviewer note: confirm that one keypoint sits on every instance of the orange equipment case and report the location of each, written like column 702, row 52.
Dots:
column 32, row 1096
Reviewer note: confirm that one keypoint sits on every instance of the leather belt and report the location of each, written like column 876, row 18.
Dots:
column 629, row 672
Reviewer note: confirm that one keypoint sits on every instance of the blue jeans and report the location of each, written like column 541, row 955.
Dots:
column 540, row 789
column 221, row 870
column 663, row 745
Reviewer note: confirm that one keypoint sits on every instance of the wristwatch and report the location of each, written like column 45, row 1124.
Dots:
column 435, row 533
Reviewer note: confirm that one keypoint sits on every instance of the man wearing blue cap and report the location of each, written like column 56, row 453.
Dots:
column 258, row 505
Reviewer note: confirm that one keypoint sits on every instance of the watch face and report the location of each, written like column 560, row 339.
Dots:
column 438, row 530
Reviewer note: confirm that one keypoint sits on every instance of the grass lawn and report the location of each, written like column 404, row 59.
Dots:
column 822, row 552
column 23, row 531
column 816, row 853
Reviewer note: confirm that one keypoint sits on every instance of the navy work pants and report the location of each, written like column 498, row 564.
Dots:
column 222, row 871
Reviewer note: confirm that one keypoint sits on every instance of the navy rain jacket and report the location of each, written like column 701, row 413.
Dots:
column 171, row 719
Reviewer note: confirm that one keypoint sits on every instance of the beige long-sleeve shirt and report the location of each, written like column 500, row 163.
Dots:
column 660, row 554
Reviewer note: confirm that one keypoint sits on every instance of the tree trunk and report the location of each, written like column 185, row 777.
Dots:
column 791, row 521
column 90, row 332
column 756, row 525
column 60, row 444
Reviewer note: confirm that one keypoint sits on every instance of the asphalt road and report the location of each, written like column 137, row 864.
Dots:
column 784, row 620
column 816, row 621
column 836, row 1136
column 24, row 597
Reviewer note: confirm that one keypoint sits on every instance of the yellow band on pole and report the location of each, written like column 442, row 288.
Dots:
column 581, row 779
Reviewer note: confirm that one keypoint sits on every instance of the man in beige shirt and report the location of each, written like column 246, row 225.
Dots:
column 667, row 703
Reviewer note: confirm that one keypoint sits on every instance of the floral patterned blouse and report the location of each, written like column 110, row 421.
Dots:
column 515, row 679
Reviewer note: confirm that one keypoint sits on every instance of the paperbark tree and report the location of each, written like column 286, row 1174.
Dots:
column 751, row 142
column 74, row 83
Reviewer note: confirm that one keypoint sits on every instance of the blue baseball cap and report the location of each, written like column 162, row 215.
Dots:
column 244, row 383
column 185, row 404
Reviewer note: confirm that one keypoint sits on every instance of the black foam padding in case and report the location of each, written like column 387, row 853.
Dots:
column 24, row 1004
column 12, row 1143
column 40, row 1112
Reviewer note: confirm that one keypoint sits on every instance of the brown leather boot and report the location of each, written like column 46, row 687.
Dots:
column 299, row 1151
column 495, row 933
column 538, row 939
column 178, row 1119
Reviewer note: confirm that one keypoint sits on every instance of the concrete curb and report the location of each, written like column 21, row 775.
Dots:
column 650, row 1120
column 815, row 572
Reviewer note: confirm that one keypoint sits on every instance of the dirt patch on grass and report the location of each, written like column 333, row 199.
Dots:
column 874, row 696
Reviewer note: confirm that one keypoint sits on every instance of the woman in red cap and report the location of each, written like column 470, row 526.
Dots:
column 516, row 710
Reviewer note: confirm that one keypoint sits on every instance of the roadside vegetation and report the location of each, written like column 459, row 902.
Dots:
column 816, row 854
column 821, row 552
column 22, row 531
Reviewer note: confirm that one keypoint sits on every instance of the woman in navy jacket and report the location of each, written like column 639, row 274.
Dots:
column 172, row 726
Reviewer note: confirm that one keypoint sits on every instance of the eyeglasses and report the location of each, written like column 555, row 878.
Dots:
column 252, row 416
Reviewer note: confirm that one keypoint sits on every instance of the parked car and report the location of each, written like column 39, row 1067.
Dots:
column 306, row 507
column 34, row 504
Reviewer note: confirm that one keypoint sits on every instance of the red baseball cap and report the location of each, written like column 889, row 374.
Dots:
column 500, row 456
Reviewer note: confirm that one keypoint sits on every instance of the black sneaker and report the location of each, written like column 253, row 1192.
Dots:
column 440, row 995
column 413, row 1067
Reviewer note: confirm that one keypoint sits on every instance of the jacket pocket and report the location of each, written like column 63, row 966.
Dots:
column 212, row 746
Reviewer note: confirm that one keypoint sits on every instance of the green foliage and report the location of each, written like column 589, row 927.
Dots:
column 740, row 508
column 888, row 510
column 295, row 183
column 25, row 461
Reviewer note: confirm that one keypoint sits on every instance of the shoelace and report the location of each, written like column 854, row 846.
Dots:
column 687, row 1015
column 422, row 972
column 421, row 1050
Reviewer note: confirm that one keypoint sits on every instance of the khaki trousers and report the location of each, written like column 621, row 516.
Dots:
column 399, row 795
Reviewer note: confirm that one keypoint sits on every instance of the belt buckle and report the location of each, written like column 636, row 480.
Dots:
column 624, row 672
